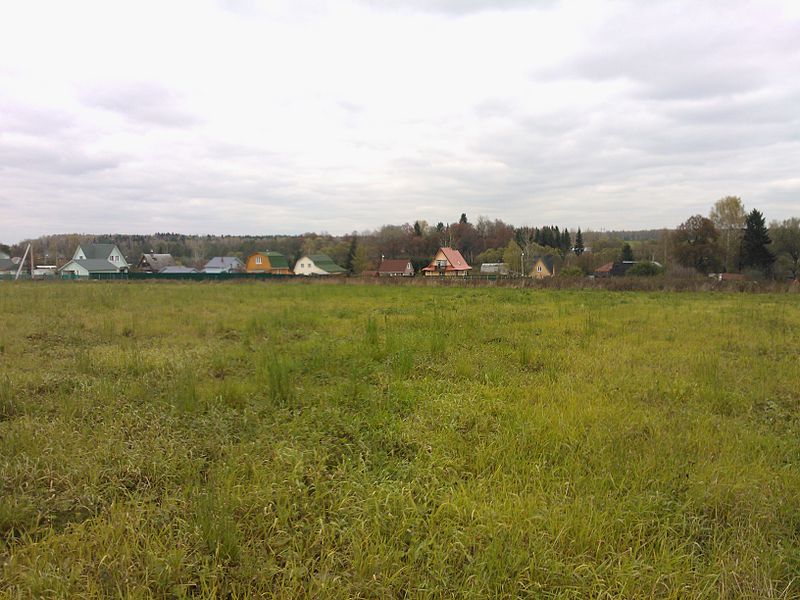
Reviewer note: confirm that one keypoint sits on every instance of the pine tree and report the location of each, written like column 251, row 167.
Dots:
column 566, row 241
column 754, row 243
column 351, row 254
column 463, row 219
column 627, row 253
column 579, row 247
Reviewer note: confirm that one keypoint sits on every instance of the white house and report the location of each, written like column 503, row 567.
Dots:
column 98, row 259
column 317, row 264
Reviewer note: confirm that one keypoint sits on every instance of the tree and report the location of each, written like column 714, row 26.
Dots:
column 361, row 260
column 566, row 242
column 694, row 244
column 463, row 219
column 349, row 264
column 728, row 216
column 786, row 240
column 512, row 256
column 754, row 243
column 440, row 227
column 627, row 253
column 579, row 247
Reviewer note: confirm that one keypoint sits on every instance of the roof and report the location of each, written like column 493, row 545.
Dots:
column 97, row 251
column 177, row 269
column 94, row 265
column 3, row 255
column 547, row 260
column 276, row 259
column 6, row 264
column 325, row 262
column 223, row 262
column 606, row 268
column 158, row 261
column 393, row 265
column 455, row 262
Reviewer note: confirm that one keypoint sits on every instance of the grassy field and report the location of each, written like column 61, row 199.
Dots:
column 352, row 441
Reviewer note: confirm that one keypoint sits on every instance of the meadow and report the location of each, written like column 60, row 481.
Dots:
column 299, row 440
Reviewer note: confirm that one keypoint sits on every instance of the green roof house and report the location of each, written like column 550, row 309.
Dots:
column 95, row 259
column 268, row 262
column 318, row 264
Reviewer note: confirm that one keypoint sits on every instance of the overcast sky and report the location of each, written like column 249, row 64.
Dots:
column 236, row 116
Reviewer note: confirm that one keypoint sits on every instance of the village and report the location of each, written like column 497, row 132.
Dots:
column 107, row 261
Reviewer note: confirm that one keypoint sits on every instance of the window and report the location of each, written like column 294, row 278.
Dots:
column 539, row 268
column 258, row 260
column 441, row 264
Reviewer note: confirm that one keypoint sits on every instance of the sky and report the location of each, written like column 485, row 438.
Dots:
column 246, row 117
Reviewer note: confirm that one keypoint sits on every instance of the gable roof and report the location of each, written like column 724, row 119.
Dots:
column 276, row 259
column 325, row 262
column 455, row 262
column 158, row 261
column 606, row 268
column 94, row 251
column 7, row 264
column 177, row 269
column 223, row 262
column 547, row 260
column 94, row 265
column 393, row 265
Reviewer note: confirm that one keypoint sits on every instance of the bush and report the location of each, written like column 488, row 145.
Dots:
column 572, row 272
column 645, row 269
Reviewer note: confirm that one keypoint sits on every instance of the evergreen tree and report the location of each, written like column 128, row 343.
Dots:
column 463, row 219
column 754, row 243
column 417, row 229
column 627, row 252
column 440, row 227
column 351, row 254
column 579, row 247
column 566, row 241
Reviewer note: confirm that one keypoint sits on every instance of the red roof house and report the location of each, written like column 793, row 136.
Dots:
column 448, row 263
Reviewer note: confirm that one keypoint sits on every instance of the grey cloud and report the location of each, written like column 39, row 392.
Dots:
column 53, row 159
column 149, row 103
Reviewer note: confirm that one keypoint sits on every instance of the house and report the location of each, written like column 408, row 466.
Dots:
column 395, row 267
column 95, row 259
column 494, row 269
column 268, row 262
column 176, row 270
column 9, row 266
column 224, row 264
column 318, row 264
column 153, row 263
column 543, row 266
column 447, row 263
column 619, row 268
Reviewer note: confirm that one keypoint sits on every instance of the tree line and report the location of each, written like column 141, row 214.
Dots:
column 729, row 239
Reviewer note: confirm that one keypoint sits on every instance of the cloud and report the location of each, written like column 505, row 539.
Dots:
column 246, row 117
column 141, row 102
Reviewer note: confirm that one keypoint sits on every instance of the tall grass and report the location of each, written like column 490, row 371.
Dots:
column 383, row 441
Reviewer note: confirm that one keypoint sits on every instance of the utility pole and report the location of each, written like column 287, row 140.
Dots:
column 22, row 262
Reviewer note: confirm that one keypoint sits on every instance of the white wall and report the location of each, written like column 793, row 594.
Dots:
column 305, row 266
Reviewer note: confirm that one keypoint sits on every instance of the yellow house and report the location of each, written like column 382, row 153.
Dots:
column 543, row 266
column 268, row 262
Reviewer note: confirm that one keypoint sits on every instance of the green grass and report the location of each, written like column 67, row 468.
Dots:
column 293, row 440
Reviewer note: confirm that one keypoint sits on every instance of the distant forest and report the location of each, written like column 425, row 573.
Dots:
column 480, row 242
column 730, row 239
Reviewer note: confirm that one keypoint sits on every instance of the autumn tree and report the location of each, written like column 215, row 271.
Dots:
column 728, row 216
column 512, row 256
column 786, row 242
column 694, row 244
column 754, row 243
